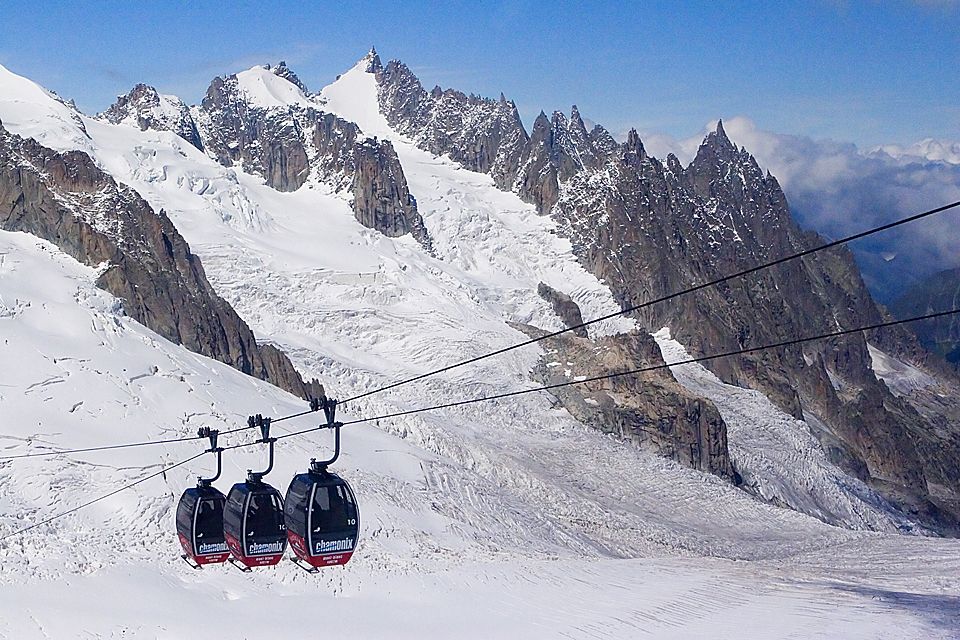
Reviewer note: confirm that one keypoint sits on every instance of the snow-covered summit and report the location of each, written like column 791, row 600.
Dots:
column 353, row 96
column 264, row 88
column 929, row 149
column 31, row 111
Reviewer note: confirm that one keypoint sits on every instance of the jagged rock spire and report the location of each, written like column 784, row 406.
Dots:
column 372, row 60
column 542, row 123
column 633, row 151
column 719, row 141
column 575, row 120
column 281, row 70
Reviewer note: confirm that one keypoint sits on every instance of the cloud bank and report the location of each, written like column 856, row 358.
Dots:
column 837, row 189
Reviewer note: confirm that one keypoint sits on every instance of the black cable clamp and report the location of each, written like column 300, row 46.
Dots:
column 213, row 434
column 263, row 423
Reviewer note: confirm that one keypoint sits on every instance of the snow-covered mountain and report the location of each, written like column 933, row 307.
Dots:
column 927, row 149
column 649, row 228
column 368, row 248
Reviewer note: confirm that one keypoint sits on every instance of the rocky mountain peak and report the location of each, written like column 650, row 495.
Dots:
column 723, row 171
column 371, row 61
column 604, row 143
column 633, row 151
column 559, row 124
column 481, row 134
column 281, row 70
column 280, row 133
column 717, row 145
column 575, row 116
column 540, row 125
column 146, row 108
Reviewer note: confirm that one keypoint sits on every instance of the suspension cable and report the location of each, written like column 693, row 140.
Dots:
column 546, row 336
column 109, row 447
column 98, row 499
column 618, row 374
column 499, row 396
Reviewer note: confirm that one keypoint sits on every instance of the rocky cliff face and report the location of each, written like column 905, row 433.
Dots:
column 381, row 198
column 263, row 141
column 651, row 410
column 650, row 228
column 564, row 306
column 940, row 292
column 66, row 199
column 287, row 139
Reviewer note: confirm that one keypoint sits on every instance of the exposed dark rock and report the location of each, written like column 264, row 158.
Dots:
column 66, row 199
column 283, row 71
column 564, row 306
column 537, row 181
column 655, row 230
column 287, row 144
column 147, row 109
column 481, row 134
column 559, row 149
column 650, row 229
column 373, row 61
column 649, row 409
column 940, row 292
column 266, row 142
column 381, row 198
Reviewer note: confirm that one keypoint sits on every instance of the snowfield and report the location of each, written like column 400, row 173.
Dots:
column 493, row 520
column 779, row 457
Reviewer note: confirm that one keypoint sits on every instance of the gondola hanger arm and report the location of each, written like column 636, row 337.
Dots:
column 213, row 435
column 263, row 423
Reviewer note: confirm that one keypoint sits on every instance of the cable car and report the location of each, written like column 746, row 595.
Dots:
column 200, row 517
column 323, row 521
column 253, row 522
column 321, row 513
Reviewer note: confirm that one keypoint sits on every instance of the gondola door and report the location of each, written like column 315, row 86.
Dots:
column 333, row 523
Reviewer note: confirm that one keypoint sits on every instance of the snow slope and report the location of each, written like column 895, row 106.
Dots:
column 265, row 89
column 482, row 567
column 481, row 519
column 900, row 377
column 779, row 457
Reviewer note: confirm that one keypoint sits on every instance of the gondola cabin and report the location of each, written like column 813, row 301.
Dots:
column 200, row 525
column 323, row 521
column 253, row 524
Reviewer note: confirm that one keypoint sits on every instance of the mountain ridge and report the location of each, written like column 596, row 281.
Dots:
column 722, row 208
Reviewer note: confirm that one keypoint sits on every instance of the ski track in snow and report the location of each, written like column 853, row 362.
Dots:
column 477, row 519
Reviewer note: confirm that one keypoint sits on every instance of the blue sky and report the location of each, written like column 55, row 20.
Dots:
column 866, row 72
